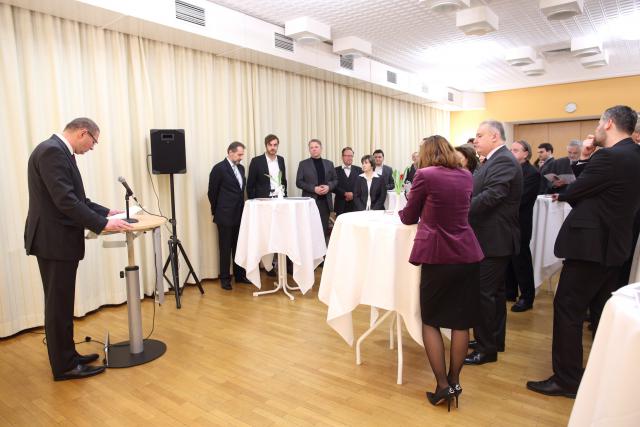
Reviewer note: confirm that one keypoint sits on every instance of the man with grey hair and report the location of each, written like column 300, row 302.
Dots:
column 562, row 166
column 636, row 133
column 594, row 241
column 520, row 269
column 497, row 188
column 59, row 211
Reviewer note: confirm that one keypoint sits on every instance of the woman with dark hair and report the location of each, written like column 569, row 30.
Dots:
column 369, row 192
column 467, row 156
column 447, row 248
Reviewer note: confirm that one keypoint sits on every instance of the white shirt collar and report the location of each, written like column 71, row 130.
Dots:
column 494, row 150
column 346, row 167
column 269, row 158
column 233, row 165
column 66, row 143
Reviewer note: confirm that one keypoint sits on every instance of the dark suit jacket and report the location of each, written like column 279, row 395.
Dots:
column 497, row 189
column 387, row 177
column 530, row 186
column 378, row 194
column 345, row 185
column 560, row 166
column 59, row 210
column 605, row 199
column 225, row 195
column 307, row 179
column 258, row 184
column 440, row 198
column 410, row 174
column 545, row 169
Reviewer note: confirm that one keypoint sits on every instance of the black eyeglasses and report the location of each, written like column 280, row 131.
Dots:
column 95, row 141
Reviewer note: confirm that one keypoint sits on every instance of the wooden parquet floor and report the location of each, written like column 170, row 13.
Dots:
column 233, row 359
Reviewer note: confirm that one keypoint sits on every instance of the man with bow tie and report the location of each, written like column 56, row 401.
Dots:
column 226, row 195
column 347, row 175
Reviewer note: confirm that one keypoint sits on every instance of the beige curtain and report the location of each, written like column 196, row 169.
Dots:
column 53, row 70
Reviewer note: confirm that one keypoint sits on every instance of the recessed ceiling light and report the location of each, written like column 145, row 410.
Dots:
column 306, row 30
column 556, row 10
column 446, row 6
column 585, row 46
column 520, row 56
column 535, row 69
column 595, row 61
column 477, row 21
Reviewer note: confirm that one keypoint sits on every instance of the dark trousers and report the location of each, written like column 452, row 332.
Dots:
column 520, row 275
column 59, row 283
column 582, row 285
column 344, row 207
column 227, row 243
column 491, row 328
column 323, row 208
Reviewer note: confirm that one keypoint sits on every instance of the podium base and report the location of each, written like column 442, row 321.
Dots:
column 120, row 357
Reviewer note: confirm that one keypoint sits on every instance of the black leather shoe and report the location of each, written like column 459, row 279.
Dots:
column 80, row 371
column 88, row 358
column 476, row 358
column 243, row 279
column 511, row 298
column 521, row 306
column 550, row 387
column 473, row 344
column 226, row 285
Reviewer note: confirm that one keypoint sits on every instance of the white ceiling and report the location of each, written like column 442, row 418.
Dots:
column 407, row 35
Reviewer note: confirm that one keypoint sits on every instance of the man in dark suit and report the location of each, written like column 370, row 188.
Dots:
column 595, row 240
column 259, row 185
column 59, row 211
column 497, row 189
column 347, row 175
column 226, row 195
column 316, row 177
column 562, row 166
column 543, row 163
column 520, row 268
column 385, row 172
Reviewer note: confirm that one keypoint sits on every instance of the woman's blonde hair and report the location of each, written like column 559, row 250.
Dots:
column 436, row 151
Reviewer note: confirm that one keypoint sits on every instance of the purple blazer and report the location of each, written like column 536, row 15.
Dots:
column 440, row 197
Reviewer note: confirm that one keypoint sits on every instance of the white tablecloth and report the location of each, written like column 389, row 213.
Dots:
column 367, row 263
column 288, row 226
column 393, row 199
column 548, row 217
column 608, row 393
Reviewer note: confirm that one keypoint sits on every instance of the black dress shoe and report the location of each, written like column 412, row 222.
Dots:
column 88, row 358
column 550, row 387
column 226, row 286
column 80, row 371
column 243, row 279
column 510, row 298
column 477, row 358
column 473, row 344
column 521, row 305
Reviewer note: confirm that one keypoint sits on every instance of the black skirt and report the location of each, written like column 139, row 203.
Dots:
column 449, row 295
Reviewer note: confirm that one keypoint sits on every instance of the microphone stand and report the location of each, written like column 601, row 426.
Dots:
column 126, row 201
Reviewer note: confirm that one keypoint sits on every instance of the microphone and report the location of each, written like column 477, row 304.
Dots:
column 122, row 181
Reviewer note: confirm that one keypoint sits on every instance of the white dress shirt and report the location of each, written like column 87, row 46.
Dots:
column 347, row 170
column 236, row 172
column 493, row 151
column 274, row 169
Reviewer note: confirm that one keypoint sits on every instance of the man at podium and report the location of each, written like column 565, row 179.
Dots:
column 58, row 213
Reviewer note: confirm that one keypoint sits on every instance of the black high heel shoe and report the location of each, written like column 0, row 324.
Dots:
column 438, row 397
column 457, row 390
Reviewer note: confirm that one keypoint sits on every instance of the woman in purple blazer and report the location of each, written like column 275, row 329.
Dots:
column 447, row 248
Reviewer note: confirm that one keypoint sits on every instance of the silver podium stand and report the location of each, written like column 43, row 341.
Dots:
column 137, row 351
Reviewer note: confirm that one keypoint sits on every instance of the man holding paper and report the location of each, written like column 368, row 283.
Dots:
column 595, row 240
column 59, row 211
column 560, row 173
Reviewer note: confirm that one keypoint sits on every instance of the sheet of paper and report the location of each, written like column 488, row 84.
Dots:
column 133, row 210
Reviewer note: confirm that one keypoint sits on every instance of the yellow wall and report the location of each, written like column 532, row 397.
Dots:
column 546, row 103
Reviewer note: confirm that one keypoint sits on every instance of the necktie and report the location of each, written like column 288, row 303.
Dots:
column 237, row 174
column 73, row 159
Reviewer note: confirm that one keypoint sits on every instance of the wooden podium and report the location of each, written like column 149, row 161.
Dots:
column 137, row 351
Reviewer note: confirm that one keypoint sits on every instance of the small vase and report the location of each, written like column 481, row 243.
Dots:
column 280, row 193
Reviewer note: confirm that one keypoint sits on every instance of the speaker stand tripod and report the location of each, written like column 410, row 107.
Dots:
column 173, row 258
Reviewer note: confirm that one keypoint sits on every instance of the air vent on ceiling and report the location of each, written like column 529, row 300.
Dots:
column 450, row 97
column 190, row 13
column 392, row 77
column 283, row 42
column 346, row 61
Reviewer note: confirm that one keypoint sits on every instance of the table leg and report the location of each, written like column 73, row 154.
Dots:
column 400, row 358
column 282, row 280
column 367, row 333
column 157, row 251
column 391, row 340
